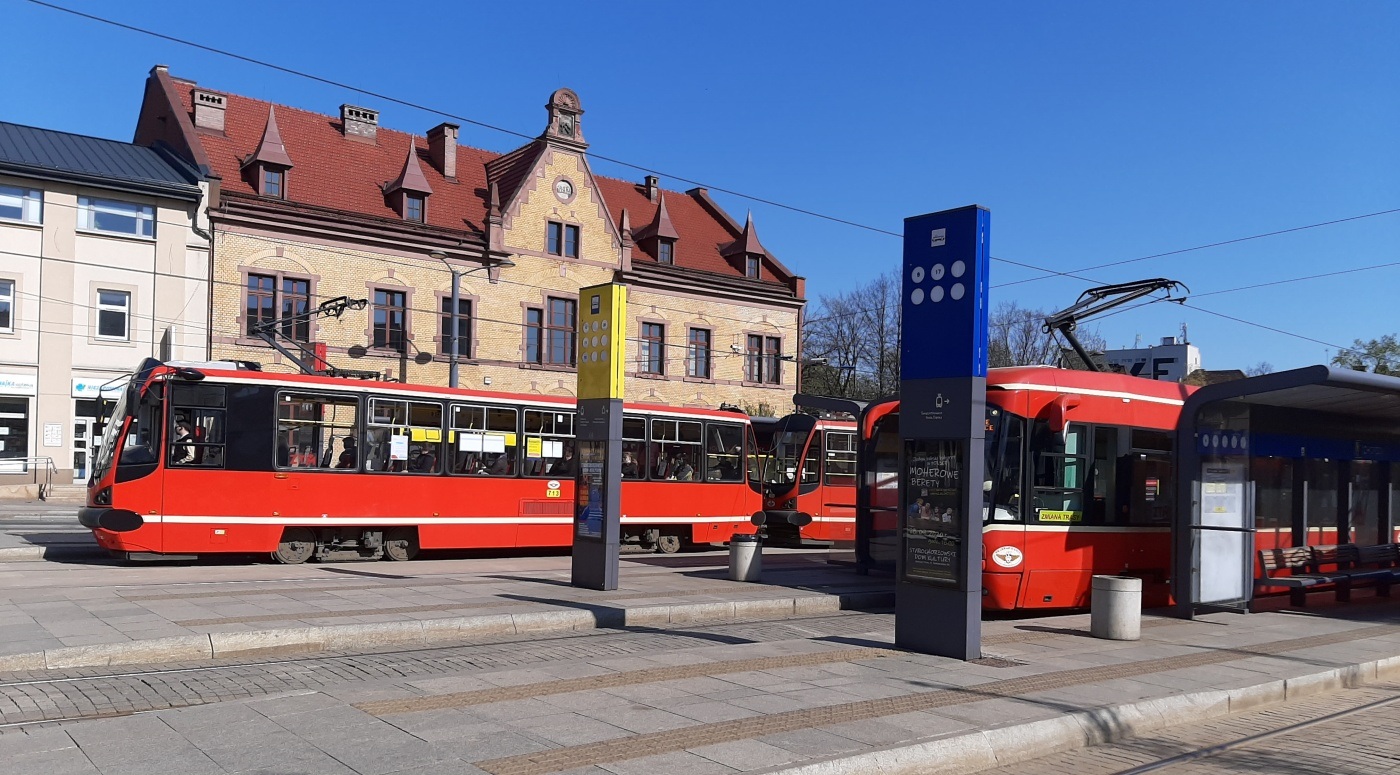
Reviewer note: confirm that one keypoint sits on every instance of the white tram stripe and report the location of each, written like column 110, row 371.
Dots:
column 186, row 519
column 1011, row 527
column 1089, row 392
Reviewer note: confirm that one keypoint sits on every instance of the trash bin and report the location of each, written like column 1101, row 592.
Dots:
column 745, row 557
column 1115, row 607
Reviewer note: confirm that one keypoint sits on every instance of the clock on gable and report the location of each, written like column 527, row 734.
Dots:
column 564, row 190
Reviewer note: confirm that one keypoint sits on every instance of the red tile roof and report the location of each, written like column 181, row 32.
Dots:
column 335, row 172
column 339, row 173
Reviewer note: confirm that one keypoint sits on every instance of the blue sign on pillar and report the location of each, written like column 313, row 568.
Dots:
column 943, row 395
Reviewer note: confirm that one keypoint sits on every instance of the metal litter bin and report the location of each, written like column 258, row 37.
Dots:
column 1115, row 607
column 745, row 557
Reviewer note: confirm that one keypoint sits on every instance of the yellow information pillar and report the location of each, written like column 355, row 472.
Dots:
column 602, row 358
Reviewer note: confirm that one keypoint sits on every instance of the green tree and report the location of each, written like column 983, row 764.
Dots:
column 1381, row 356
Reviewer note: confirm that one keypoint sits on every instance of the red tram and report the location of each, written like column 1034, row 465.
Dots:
column 1078, row 482
column 223, row 458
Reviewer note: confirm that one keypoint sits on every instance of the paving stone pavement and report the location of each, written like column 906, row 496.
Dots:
column 678, row 671
column 803, row 694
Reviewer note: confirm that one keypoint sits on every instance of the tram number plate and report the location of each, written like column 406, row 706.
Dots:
column 551, row 493
column 1061, row 516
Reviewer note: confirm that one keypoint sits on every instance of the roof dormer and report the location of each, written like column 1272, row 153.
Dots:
column 747, row 251
column 659, row 237
column 408, row 193
column 266, row 169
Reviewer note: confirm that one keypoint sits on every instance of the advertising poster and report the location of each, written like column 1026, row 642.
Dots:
column 931, row 519
column 589, row 499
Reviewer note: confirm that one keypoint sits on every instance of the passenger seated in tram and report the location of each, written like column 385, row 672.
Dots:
column 565, row 466
column 500, row 466
column 629, row 466
column 681, row 470
column 348, row 454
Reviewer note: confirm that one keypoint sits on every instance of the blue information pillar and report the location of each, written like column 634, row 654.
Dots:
column 942, row 419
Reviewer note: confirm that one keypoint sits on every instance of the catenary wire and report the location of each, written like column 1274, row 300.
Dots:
column 641, row 168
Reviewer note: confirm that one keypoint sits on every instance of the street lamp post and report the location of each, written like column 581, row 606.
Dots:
column 454, row 355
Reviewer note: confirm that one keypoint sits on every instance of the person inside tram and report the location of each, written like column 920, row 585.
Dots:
column 681, row 470
column 426, row 462
column 500, row 466
column 630, row 469
column 348, row 454
column 181, row 452
column 565, row 466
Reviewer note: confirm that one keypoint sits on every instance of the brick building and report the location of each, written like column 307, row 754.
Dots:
column 308, row 206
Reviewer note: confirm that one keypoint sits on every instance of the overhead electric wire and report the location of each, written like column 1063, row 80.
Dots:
column 486, row 125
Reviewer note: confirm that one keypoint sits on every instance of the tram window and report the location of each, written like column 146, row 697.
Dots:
column 549, row 443
column 724, row 458
column 675, row 449
column 404, row 437
column 634, row 447
column 1273, row 496
column 483, row 440
column 811, row 472
column 143, row 435
column 1152, row 441
column 317, row 431
column 1103, row 505
column 1151, row 487
column 197, row 425
column 755, row 463
column 1060, row 466
column 840, row 459
column 1322, row 504
column 1005, row 442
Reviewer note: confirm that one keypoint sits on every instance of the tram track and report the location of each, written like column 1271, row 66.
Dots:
column 1258, row 738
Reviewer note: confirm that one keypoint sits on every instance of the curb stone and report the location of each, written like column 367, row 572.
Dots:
column 428, row 632
column 976, row 751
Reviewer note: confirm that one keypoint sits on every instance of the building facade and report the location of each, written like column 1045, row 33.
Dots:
column 309, row 207
column 1171, row 361
column 103, row 262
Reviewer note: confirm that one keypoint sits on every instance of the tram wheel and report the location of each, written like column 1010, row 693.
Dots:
column 296, row 547
column 401, row 544
column 668, row 544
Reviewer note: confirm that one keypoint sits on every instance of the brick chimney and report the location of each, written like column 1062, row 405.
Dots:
column 442, row 149
column 359, row 123
column 209, row 109
column 652, row 183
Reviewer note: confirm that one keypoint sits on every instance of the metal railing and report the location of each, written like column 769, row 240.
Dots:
column 39, row 468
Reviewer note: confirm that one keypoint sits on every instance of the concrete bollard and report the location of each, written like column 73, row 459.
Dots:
column 1115, row 607
column 745, row 557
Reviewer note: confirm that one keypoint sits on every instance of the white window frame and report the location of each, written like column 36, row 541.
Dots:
column 125, row 309
column 7, row 298
column 30, row 202
column 143, row 216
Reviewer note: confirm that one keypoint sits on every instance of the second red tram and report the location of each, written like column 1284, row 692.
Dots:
column 213, row 458
column 1078, row 482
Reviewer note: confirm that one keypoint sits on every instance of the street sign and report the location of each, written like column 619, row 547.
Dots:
column 942, row 407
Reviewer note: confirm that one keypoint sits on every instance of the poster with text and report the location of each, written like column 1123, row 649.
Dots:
column 931, row 516
column 589, row 507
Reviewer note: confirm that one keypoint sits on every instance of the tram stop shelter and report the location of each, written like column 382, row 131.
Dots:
column 1304, row 457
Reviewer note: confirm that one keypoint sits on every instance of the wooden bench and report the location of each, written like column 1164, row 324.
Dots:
column 1340, row 566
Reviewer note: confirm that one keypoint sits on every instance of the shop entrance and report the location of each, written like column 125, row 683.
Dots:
column 87, row 436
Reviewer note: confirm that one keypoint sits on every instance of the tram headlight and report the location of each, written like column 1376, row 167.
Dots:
column 768, row 503
column 103, row 497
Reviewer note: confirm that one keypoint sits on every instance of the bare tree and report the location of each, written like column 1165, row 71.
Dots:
column 1017, row 337
column 1259, row 369
column 856, row 334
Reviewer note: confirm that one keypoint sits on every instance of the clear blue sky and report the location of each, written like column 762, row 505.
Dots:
column 1095, row 132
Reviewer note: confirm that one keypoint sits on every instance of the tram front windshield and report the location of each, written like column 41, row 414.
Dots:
column 108, row 451
column 789, row 444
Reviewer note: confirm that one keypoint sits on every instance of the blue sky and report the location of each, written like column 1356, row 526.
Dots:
column 1094, row 132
